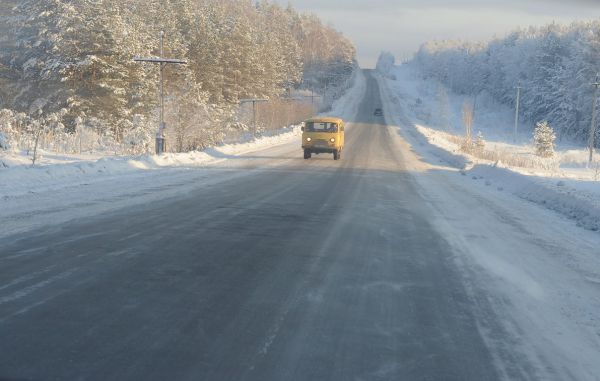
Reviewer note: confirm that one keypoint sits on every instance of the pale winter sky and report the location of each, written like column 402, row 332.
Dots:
column 400, row 26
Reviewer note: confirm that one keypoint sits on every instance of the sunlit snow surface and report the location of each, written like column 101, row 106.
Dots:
column 565, row 183
column 517, row 233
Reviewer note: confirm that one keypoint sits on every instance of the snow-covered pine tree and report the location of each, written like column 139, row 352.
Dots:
column 77, row 55
column 554, row 65
column 544, row 138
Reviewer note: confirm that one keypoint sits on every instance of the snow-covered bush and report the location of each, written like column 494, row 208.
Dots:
column 138, row 141
column 57, row 137
column 81, row 138
column 140, row 138
column 544, row 138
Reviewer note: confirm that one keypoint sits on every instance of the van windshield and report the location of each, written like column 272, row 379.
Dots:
column 321, row 127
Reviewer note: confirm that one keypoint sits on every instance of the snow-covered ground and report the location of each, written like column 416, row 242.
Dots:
column 61, row 187
column 539, row 272
column 564, row 183
column 53, row 171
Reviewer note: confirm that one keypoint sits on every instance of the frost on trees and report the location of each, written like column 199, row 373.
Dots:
column 385, row 64
column 77, row 56
column 544, row 138
column 7, row 120
column 553, row 64
column 140, row 137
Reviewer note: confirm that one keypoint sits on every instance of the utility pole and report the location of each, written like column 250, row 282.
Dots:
column 312, row 96
column 594, row 114
column 518, row 105
column 160, row 136
column 254, row 101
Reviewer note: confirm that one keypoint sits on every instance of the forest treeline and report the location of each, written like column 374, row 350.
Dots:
column 554, row 65
column 69, row 63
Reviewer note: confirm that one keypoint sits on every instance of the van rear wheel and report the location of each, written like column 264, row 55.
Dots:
column 307, row 154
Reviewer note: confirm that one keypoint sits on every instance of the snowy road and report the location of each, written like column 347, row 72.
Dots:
column 265, row 266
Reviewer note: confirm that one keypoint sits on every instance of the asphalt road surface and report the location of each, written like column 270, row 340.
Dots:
column 290, row 270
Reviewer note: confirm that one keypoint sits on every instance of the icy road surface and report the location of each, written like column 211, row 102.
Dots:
column 265, row 266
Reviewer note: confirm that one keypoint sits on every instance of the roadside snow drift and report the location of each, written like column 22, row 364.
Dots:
column 563, row 183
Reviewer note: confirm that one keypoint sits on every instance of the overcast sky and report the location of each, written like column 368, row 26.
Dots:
column 400, row 26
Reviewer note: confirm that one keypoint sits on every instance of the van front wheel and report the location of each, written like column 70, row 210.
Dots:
column 336, row 155
column 307, row 154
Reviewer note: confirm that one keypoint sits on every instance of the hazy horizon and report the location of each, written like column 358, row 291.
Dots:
column 402, row 26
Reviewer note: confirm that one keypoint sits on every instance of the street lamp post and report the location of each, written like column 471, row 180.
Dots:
column 160, row 137
column 518, row 105
column 254, row 101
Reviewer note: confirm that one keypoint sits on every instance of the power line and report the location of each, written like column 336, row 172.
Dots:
column 518, row 105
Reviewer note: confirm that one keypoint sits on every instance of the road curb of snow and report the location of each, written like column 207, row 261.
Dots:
column 18, row 180
column 553, row 195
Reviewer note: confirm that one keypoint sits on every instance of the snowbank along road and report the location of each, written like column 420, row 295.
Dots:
column 380, row 266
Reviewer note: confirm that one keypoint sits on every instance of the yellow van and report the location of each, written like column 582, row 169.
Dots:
column 323, row 135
